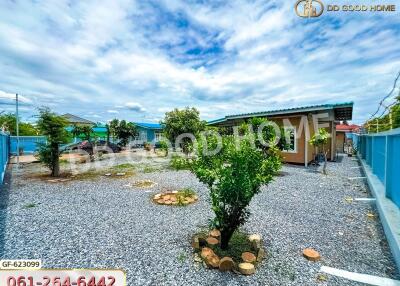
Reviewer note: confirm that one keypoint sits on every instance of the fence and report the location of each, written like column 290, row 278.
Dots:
column 27, row 144
column 4, row 153
column 381, row 151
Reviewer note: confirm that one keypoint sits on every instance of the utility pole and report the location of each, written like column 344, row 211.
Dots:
column 17, row 115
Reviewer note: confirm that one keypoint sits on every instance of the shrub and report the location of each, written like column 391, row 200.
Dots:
column 234, row 175
column 164, row 147
column 179, row 163
column 319, row 140
column 53, row 127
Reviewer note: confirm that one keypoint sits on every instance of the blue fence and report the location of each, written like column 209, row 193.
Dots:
column 381, row 151
column 4, row 153
column 27, row 144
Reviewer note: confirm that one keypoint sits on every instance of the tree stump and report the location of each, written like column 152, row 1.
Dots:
column 246, row 268
column 311, row 254
column 212, row 241
column 226, row 264
column 249, row 257
column 215, row 233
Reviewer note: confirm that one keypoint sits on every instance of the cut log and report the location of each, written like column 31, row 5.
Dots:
column 261, row 254
column 160, row 201
column 158, row 196
column 212, row 241
column 215, row 233
column 226, row 264
column 168, row 202
column 249, row 257
column 212, row 261
column 206, row 251
column 166, row 197
column 196, row 243
column 246, row 268
column 311, row 254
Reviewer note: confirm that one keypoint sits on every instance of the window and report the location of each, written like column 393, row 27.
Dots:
column 291, row 134
column 158, row 136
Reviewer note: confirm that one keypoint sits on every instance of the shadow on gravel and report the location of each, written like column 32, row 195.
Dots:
column 4, row 197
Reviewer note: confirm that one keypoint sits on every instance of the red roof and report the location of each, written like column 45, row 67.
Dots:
column 347, row 128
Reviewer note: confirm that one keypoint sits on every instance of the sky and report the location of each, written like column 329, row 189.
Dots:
column 136, row 60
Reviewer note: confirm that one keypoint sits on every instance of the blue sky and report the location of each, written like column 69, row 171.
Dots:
column 138, row 59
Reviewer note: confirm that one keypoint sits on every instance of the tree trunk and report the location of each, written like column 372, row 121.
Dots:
column 325, row 162
column 56, row 162
column 226, row 235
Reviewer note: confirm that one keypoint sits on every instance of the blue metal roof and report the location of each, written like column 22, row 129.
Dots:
column 148, row 125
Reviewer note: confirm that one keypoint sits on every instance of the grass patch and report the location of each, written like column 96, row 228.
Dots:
column 182, row 257
column 238, row 244
column 29, row 206
column 144, row 184
column 123, row 167
column 149, row 169
column 179, row 163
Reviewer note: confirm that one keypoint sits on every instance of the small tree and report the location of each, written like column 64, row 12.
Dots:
column 177, row 122
column 319, row 141
column 53, row 127
column 113, row 125
column 234, row 175
column 125, row 130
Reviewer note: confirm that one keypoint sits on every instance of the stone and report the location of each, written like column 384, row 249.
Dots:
column 120, row 174
column 215, row 233
column 311, row 254
column 212, row 241
column 158, row 196
column 246, row 268
column 197, row 258
column 226, row 264
column 248, row 257
column 107, row 174
column 260, row 255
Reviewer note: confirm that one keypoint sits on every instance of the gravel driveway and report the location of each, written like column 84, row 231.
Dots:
column 107, row 224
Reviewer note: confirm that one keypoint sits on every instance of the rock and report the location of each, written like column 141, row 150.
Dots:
column 226, row 264
column 120, row 174
column 107, row 174
column 246, row 268
column 215, row 233
column 248, row 257
column 206, row 251
column 212, row 241
column 197, row 258
column 311, row 254
column 261, row 254
column 174, row 192
column 158, row 196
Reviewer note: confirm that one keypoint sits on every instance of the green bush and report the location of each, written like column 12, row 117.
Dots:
column 179, row 163
column 233, row 175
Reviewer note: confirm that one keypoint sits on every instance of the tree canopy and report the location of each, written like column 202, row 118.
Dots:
column 8, row 121
column 180, row 121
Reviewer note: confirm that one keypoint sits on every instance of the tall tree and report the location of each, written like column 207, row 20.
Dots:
column 125, row 130
column 177, row 122
column 53, row 127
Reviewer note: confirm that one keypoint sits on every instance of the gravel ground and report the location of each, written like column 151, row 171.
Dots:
column 104, row 223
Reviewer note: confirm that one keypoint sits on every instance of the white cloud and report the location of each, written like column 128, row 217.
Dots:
column 134, row 106
column 112, row 111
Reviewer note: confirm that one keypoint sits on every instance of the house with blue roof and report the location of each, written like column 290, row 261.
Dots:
column 148, row 132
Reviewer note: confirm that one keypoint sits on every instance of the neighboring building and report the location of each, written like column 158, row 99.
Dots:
column 76, row 120
column 297, row 121
column 342, row 135
column 148, row 132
